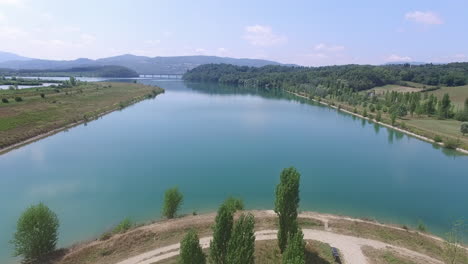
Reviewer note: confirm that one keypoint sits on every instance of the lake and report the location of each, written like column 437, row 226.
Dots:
column 212, row 142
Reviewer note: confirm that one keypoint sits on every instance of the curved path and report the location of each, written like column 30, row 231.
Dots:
column 349, row 246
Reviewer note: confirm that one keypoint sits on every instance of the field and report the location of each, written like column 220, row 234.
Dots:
column 397, row 88
column 457, row 94
column 27, row 113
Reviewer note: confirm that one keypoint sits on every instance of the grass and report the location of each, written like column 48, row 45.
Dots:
column 457, row 94
column 385, row 256
column 35, row 115
column 397, row 88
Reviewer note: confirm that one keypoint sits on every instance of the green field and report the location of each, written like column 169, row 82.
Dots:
column 457, row 94
column 397, row 88
column 42, row 110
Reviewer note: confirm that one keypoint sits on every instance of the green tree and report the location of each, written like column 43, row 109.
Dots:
column 234, row 204
column 286, row 204
column 378, row 117
column 295, row 251
column 72, row 81
column 444, row 107
column 36, row 233
column 393, row 118
column 364, row 113
column 172, row 200
column 190, row 249
column 241, row 247
column 464, row 128
column 222, row 230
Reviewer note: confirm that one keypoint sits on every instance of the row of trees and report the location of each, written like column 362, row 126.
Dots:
column 355, row 77
column 234, row 242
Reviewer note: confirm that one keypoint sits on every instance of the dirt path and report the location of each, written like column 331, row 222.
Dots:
column 349, row 246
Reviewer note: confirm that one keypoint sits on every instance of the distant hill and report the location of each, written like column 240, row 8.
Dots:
column 7, row 56
column 83, row 71
column 140, row 64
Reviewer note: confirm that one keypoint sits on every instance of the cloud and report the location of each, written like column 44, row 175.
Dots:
column 87, row 39
column 152, row 42
column 427, row 18
column 397, row 58
column 7, row 32
column 328, row 48
column 259, row 35
column 12, row 2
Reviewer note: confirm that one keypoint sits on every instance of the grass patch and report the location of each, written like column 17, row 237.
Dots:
column 385, row 256
column 457, row 95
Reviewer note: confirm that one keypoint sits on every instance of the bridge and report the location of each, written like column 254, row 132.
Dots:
column 162, row 75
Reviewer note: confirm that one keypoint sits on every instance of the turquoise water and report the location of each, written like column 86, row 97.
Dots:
column 212, row 142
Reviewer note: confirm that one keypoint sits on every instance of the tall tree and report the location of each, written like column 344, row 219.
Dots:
column 286, row 204
column 444, row 107
column 221, row 234
column 241, row 246
column 295, row 251
column 190, row 249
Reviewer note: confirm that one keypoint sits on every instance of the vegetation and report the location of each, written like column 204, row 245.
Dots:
column 294, row 253
column 286, row 204
column 222, row 231
column 464, row 128
column 35, row 115
column 123, row 226
column 172, row 200
column 453, row 251
column 36, row 233
column 234, row 204
column 190, row 249
column 241, row 247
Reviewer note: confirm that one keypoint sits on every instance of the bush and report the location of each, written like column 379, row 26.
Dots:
column 438, row 139
column 190, row 249
column 222, row 230
column 464, row 128
column 451, row 143
column 295, row 251
column 36, row 233
column 4, row 100
column 172, row 201
column 42, row 95
column 234, row 204
column 18, row 99
column 421, row 226
column 123, row 226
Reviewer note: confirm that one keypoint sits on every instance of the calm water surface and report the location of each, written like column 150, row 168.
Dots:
column 212, row 143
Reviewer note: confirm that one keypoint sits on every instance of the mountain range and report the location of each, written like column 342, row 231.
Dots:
column 140, row 64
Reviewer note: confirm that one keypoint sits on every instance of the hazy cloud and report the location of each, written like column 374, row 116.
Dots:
column 259, row 35
column 427, row 18
column 397, row 58
column 328, row 48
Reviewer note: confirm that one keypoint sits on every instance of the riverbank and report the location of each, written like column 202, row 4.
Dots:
column 157, row 242
column 421, row 137
column 46, row 111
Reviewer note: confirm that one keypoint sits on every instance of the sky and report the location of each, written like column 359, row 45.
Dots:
column 309, row 32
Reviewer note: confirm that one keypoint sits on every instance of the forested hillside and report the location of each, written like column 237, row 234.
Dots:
column 355, row 77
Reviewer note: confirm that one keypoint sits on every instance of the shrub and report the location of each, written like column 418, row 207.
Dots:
column 221, row 234
column 172, row 201
column 438, row 138
column 18, row 99
column 234, row 204
column 4, row 100
column 464, row 128
column 36, row 233
column 451, row 143
column 190, row 249
column 42, row 95
column 105, row 236
column 421, row 226
column 123, row 226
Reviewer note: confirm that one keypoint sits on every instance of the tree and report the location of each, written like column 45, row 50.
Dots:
column 190, row 249
column 393, row 118
column 295, row 251
column 378, row 117
column 241, row 246
column 234, row 204
column 221, row 234
column 453, row 251
column 172, row 201
column 36, row 233
column 464, row 128
column 286, row 204
column 444, row 107
column 72, row 81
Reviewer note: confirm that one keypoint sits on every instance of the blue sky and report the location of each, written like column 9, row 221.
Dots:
column 302, row 32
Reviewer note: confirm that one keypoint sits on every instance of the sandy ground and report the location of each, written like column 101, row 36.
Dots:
column 349, row 246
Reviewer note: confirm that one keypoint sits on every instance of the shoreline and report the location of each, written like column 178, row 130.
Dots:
column 65, row 127
column 423, row 138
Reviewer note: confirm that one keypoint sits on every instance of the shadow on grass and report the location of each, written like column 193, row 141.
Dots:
column 314, row 258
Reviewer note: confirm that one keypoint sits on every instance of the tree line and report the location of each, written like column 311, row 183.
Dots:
column 354, row 77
